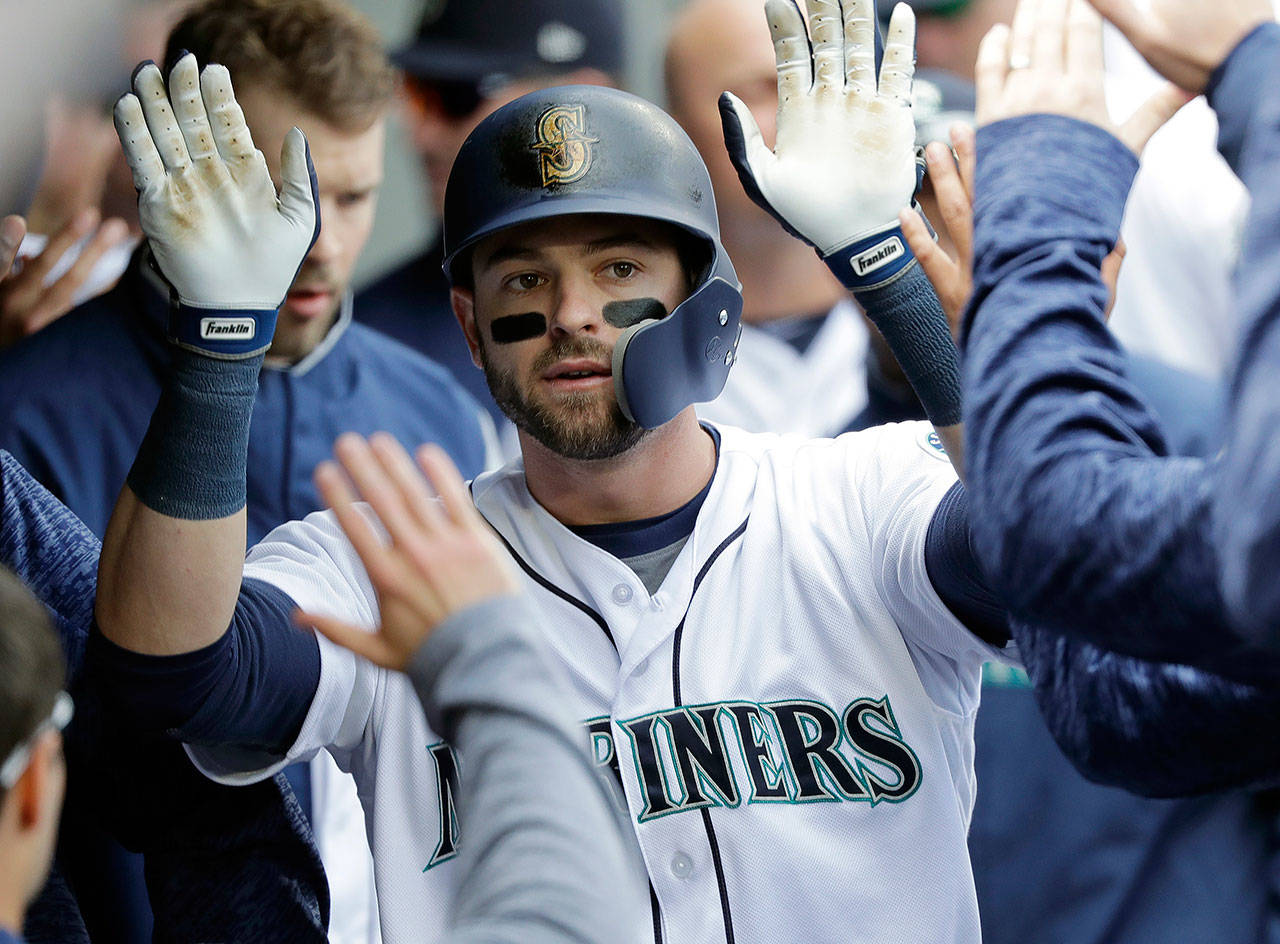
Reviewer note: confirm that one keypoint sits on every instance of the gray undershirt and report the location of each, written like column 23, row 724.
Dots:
column 652, row 567
column 546, row 853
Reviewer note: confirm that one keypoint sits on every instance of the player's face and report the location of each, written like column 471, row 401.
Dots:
column 536, row 322
column 349, row 172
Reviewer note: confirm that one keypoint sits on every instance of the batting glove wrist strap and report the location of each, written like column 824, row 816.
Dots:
column 221, row 333
column 873, row 259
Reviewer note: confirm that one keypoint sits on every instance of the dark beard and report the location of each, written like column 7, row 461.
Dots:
column 585, row 440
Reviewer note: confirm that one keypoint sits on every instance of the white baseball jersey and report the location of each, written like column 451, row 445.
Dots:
column 815, row 392
column 790, row 715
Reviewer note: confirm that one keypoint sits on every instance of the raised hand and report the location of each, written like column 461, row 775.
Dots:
column 1185, row 40
column 844, row 161
column 1050, row 61
column 441, row 557
column 952, row 182
column 208, row 206
column 28, row 300
column 12, row 229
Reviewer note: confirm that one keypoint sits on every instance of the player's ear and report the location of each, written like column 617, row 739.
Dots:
column 39, row 789
column 463, row 302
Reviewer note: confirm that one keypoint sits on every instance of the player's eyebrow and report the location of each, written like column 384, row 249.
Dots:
column 507, row 253
column 515, row 251
column 619, row 241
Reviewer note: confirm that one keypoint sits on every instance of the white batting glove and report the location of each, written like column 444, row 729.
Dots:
column 845, row 160
column 220, row 236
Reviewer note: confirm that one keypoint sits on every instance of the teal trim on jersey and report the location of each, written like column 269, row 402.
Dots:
column 1001, row 675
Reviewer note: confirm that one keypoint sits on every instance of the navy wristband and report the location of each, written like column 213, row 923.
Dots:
column 907, row 312
column 193, row 459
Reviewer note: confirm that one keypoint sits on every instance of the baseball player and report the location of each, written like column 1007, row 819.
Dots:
column 759, row 632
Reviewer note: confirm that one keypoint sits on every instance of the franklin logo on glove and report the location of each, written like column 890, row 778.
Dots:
column 877, row 256
column 238, row 328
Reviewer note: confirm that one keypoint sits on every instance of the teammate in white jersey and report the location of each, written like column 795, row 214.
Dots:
column 760, row 632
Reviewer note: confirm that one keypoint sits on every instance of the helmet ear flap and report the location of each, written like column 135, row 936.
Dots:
column 661, row 367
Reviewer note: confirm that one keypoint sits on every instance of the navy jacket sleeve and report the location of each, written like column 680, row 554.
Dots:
column 1082, row 521
column 1156, row 729
column 1245, row 93
column 52, row 552
column 247, row 858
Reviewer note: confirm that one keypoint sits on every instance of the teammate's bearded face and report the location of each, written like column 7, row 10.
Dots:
column 349, row 171
column 557, row 386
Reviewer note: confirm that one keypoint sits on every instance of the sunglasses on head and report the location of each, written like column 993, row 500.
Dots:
column 14, row 765
column 457, row 98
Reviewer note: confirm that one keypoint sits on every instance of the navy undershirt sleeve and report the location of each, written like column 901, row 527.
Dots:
column 955, row 573
column 252, row 688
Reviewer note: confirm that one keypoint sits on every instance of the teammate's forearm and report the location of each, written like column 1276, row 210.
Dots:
column 52, row 551
column 545, row 859
column 1082, row 522
column 1245, row 92
column 1131, row 723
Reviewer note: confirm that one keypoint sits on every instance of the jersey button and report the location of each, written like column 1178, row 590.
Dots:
column 642, row 666
column 681, row 865
column 621, row 594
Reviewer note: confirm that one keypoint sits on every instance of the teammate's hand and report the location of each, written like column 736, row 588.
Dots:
column 844, row 161
column 1185, row 40
column 80, row 148
column 206, row 201
column 1050, row 61
column 952, row 182
column 12, row 229
column 442, row 557
column 28, row 299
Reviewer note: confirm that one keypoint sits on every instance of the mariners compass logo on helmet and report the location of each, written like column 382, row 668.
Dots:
column 563, row 145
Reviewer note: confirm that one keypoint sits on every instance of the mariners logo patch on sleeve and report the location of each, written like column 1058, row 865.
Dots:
column 931, row 443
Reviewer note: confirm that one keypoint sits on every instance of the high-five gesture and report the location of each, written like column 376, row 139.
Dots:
column 952, row 180
column 441, row 558
column 844, row 161
column 229, row 247
column 1050, row 61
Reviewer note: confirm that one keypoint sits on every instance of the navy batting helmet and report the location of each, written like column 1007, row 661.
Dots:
column 585, row 149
